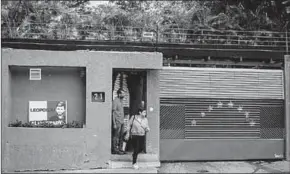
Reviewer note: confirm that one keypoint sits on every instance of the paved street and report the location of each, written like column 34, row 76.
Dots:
column 198, row 167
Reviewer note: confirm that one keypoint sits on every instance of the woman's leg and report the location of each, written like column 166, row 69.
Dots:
column 141, row 143
column 138, row 147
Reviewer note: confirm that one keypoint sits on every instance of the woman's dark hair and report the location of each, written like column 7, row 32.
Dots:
column 141, row 109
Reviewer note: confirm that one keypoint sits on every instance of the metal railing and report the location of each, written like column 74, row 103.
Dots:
column 158, row 35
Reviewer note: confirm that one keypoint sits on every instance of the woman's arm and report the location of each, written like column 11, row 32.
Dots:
column 131, row 121
column 147, row 129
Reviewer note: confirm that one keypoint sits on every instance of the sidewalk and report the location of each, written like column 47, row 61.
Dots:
column 197, row 167
column 226, row 167
column 127, row 170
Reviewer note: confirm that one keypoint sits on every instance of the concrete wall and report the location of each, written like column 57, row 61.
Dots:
column 153, row 111
column 57, row 83
column 47, row 148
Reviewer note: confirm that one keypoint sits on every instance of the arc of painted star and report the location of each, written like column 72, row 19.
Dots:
column 230, row 104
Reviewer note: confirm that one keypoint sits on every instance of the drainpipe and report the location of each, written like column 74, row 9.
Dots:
column 287, row 105
column 287, row 49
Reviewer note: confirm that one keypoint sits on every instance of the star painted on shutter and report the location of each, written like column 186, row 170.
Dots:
column 230, row 104
column 240, row 108
column 247, row 114
column 193, row 123
column 202, row 114
column 219, row 104
column 252, row 123
column 210, row 108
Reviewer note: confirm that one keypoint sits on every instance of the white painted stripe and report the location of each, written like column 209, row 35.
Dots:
column 37, row 116
column 221, row 69
column 221, row 83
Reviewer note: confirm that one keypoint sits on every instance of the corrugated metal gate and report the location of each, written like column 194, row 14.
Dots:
column 211, row 113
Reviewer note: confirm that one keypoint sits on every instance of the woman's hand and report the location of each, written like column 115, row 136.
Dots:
column 127, row 136
column 147, row 129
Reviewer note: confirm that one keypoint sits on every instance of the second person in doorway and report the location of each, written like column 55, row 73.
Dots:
column 118, row 121
column 138, row 126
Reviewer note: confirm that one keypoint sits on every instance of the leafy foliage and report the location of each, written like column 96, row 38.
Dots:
column 123, row 19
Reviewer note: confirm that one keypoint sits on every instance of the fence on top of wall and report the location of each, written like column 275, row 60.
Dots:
column 154, row 35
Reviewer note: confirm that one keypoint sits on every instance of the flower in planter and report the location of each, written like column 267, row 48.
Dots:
column 46, row 124
column 17, row 123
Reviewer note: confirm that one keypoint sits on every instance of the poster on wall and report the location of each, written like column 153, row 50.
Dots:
column 54, row 112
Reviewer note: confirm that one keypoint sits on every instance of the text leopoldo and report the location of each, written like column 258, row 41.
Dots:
column 42, row 109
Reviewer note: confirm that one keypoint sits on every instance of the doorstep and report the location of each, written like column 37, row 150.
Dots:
column 125, row 161
column 141, row 157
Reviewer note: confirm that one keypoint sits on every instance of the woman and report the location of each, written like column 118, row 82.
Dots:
column 138, row 126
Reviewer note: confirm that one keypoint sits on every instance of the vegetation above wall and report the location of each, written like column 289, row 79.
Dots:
column 46, row 124
column 200, row 22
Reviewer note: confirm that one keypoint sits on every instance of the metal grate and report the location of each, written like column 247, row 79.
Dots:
column 221, row 118
column 272, row 122
column 35, row 74
column 172, row 121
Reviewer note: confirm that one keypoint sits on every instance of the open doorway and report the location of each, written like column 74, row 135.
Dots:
column 134, row 85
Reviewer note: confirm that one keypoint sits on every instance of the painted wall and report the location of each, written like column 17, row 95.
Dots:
column 47, row 148
column 57, row 83
column 153, row 111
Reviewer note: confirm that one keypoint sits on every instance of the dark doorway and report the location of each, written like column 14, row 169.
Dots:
column 133, row 83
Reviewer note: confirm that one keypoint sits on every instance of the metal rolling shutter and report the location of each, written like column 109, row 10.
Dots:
column 259, row 93
column 221, row 83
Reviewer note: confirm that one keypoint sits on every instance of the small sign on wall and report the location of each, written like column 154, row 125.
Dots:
column 98, row 96
column 148, row 34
